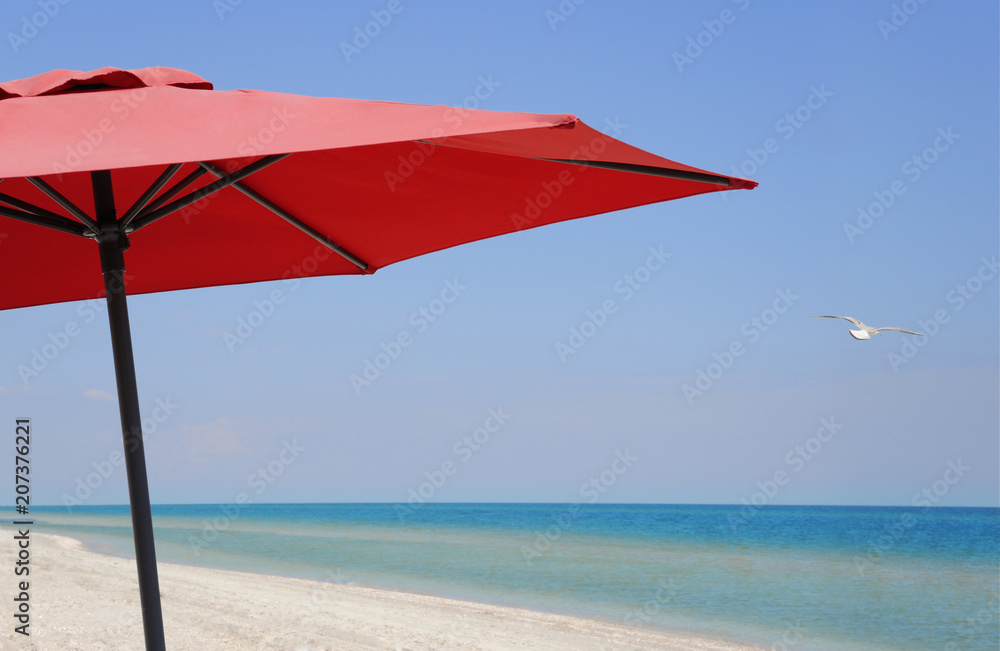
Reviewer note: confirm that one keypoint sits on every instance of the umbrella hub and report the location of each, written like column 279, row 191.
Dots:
column 110, row 240
column 112, row 244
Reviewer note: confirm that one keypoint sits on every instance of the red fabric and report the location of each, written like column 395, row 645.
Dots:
column 60, row 81
column 386, row 181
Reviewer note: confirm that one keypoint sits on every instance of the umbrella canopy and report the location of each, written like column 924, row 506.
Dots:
column 381, row 180
column 206, row 187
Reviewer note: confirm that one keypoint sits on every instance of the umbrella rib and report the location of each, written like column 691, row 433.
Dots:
column 291, row 219
column 195, row 174
column 150, row 192
column 65, row 203
column 147, row 218
column 56, row 222
column 683, row 175
column 29, row 207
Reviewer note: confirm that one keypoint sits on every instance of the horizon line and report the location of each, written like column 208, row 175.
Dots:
column 475, row 503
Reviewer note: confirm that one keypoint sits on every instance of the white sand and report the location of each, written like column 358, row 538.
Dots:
column 83, row 600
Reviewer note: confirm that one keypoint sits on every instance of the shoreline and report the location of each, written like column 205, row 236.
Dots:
column 93, row 548
column 82, row 599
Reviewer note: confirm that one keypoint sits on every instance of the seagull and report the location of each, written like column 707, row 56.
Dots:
column 866, row 332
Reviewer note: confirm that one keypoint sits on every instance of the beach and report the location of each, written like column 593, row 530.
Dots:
column 514, row 576
column 85, row 600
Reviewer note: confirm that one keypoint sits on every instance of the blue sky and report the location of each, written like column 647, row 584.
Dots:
column 872, row 128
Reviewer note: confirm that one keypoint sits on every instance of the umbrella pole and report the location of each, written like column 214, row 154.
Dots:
column 112, row 245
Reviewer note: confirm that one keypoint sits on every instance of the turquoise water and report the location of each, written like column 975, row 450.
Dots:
column 783, row 577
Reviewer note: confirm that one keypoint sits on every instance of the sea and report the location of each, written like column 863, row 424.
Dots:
column 782, row 577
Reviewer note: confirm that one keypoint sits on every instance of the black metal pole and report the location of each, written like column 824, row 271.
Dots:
column 112, row 245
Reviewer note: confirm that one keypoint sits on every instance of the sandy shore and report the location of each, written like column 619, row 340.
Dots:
column 83, row 600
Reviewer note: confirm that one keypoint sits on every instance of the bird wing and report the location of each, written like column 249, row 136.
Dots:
column 909, row 332
column 845, row 318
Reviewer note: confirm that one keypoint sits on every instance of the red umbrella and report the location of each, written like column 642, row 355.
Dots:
column 206, row 187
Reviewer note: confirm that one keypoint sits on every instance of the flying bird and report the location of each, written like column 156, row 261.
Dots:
column 866, row 332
